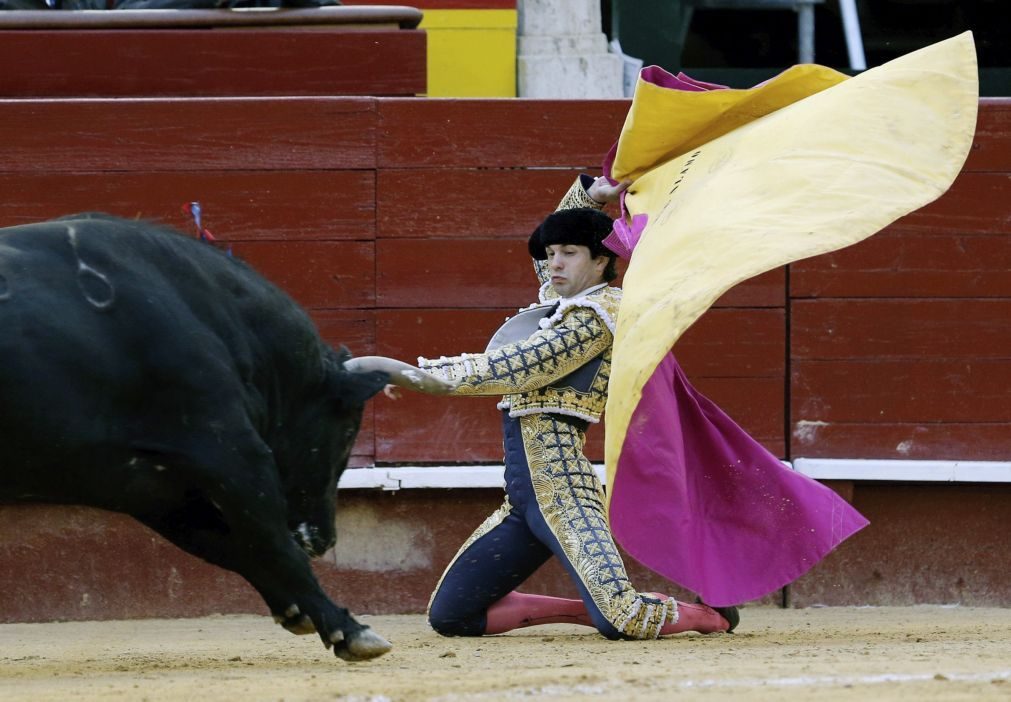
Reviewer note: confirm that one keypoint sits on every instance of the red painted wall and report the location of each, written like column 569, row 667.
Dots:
column 401, row 224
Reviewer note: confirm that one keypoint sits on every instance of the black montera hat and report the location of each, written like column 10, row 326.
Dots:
column 582, row 226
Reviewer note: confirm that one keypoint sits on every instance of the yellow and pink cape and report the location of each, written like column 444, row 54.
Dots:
column 728, row 184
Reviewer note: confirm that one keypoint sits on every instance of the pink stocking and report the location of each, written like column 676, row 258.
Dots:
column 517, row 610
column 696, row 617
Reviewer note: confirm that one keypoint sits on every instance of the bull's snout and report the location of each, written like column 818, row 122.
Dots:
column 312, row 540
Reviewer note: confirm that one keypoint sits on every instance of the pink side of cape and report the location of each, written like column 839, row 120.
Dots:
column 699, row 501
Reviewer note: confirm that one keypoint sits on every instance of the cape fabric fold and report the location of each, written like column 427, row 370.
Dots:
column 710, row 507
column 749, row 184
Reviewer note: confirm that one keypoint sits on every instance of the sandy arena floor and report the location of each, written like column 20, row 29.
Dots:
column 921, row 653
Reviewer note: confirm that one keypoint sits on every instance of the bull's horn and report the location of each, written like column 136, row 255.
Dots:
column 401, row 374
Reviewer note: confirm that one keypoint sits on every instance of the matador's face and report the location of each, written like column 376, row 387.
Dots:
column 573, row 269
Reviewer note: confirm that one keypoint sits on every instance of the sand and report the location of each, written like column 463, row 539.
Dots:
column 881, row 653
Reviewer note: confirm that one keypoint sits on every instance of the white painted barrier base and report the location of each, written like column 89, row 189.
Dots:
column 490, row 476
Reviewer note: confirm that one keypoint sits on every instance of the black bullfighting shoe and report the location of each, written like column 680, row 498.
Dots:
column 731, row 614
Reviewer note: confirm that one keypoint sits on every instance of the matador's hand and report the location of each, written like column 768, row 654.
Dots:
column 604, row 192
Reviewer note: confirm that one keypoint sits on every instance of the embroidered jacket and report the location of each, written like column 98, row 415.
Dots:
column 564, row 366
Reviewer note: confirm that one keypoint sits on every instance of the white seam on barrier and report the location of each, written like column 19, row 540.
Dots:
column 408, row 477
column 490, row 476
column 905, row 470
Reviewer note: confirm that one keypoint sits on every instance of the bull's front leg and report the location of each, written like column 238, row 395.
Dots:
column 299, row 604
column 238, row 522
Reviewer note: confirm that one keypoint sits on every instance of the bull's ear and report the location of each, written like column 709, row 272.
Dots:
column 352, row 389
column 356, row 388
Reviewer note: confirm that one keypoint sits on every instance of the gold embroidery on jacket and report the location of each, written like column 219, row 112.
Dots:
column 571, row 500
column 576, row 196
column 546, row 356
column 524, row 371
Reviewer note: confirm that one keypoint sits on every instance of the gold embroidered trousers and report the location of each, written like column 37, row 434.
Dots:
column 554, row 506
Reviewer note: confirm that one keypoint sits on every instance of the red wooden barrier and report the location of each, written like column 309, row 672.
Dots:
column 747, row 381
column 213, row 53
column 990, row 149
column 459, row 203
column 901, row 345
column 518, row 133
column 410, row 207
column 897, row 263
column 402, row 224
column 148, row 136
column 238, row 205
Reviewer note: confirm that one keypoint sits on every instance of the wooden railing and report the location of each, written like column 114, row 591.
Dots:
column 212, row 53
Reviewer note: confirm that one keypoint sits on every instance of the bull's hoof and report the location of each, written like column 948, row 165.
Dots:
column 361, row 646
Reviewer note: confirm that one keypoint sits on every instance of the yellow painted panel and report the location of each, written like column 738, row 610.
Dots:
column 468, row 19
column 471, row 53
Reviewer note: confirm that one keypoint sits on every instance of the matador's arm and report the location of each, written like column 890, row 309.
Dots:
column 538, row 360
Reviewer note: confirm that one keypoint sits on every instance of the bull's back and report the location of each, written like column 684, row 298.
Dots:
column 110, row 275
column 114, row 331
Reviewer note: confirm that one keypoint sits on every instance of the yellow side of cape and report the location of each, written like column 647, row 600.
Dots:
column 662, row 124
column 810, row 177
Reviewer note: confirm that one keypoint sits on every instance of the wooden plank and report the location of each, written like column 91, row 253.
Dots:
column 736, row 343
column 408, row 333
column 876, row 330
column 363, row 453
column 419, row 428
column 243, row 62
column 725, row 343
column 898, row 264
column 52, row 136
column 505, row 203
column 317, row 274
column 354, row 329
column 497, row 273
column 488, row 133
column 756, row 404
column 991, row 149
column 454, row 273
column 963, row 390
column 976, row 203
column 957, row 441
column 765, row 290
column 425, row 429
column 237, row 206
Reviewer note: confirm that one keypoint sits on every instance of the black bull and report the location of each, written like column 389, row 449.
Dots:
column 149, row 373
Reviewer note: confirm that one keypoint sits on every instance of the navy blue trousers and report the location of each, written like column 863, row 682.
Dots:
column 504, row 551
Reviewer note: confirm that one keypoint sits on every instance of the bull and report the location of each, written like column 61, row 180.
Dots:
column 149, row 373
